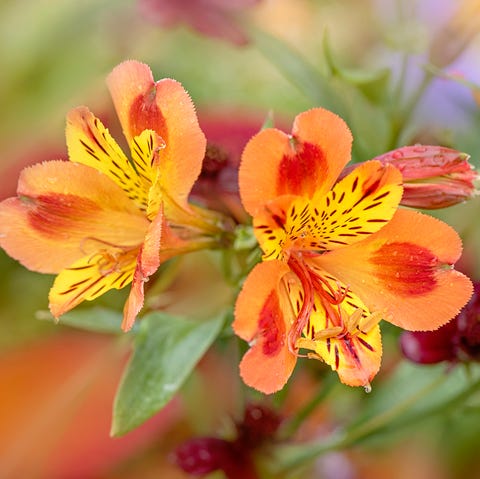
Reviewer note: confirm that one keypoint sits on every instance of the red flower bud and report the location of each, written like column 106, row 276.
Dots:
column 203, row 455
column 259, row 425
column 434, row 176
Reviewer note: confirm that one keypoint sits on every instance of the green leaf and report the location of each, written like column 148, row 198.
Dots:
column 166, row 350
column 297, row 70
column 96, row 319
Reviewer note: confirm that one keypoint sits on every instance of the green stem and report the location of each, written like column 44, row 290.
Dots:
column 405, row 114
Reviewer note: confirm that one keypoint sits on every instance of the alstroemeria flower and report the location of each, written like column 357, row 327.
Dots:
column 338, row 257
column 103, row 220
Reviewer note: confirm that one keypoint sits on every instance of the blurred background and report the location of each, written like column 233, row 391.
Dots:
column 399, row 71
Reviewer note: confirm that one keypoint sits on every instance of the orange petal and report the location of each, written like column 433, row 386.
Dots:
column 308, row 162
column 261, row 316
column 66, row 210
column 405, row 269
column 148, row 262
column 90, row 277
column 166, row 108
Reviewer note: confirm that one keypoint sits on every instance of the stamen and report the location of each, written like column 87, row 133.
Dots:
column 366, row 324
column 328, row 333
column 354, row 320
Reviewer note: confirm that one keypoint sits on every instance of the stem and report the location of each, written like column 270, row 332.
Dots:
column 398, row 91
column 407, row 112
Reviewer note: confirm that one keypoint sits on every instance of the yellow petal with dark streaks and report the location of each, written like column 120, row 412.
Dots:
column 358, row 206
column 342, row 331
column 91, row 144
column 355, row 357
column 91, row 277
column 269, row 227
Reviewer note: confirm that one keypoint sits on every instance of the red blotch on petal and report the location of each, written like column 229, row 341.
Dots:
column 54, row 213
column 271, row 326
column 406, row 268
column 146, row 115
column 298, row 172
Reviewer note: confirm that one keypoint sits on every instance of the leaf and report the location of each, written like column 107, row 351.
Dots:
column 166, row 350
column 297, row 70
column 97, row 319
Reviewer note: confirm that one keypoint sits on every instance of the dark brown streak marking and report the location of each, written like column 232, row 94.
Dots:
column 373, row 205
column 78, row 268
column 278, row 221
column 354, row 184
column 364, row 343
column 93, row 155
column 379, row 197
column 95, row 139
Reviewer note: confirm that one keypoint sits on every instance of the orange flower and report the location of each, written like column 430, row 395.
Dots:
column 338, row 257
column 103, row 220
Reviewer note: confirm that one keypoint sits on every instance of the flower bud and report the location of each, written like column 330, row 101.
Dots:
column 203, row 455
column 433, row 176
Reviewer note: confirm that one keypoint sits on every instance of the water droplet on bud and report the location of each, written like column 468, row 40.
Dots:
column 368, row 388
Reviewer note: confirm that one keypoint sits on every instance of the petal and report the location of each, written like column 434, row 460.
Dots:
column 270, row 230
column 148, row 261
column 90, row 277
column 308, row 162
column 166, row 108
column 261, row 316
column 66, row 210
column 133, row 91
column 359, row 205
column 90, row 143
column 355, row 357
column 347, row 336
column 405, row 269
column 145, row 150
